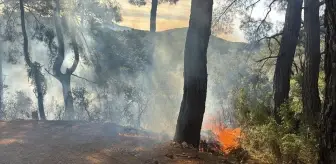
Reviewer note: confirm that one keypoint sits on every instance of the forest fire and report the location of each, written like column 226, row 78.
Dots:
column 220, row 137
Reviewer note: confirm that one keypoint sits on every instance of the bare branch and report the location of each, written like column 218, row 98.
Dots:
column 30, row 11
column 224, row 12
column 253, row 4
column 50, row 73
column 266, row 58
column 72, row 75
column 84, row 79
column 268, row 12
column 272, row 37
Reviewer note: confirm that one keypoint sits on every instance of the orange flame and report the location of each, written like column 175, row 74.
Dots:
column 227, row 137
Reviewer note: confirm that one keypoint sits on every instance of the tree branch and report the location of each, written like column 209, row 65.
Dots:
column 224, row 12
column 253, row 4
column 266, row 58
column 268, row 12
column 74, row 43
column 51, row 73
column 72, row 75
column 33, row 15
column 60, row 38
column 84, row 79
column 272, row 37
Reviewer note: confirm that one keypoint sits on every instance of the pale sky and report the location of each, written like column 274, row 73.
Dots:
column 177, row 16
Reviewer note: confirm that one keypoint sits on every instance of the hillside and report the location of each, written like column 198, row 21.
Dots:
column 173, row 41
column 152, row 64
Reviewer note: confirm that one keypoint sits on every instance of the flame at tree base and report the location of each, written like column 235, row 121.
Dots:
column 217, row 132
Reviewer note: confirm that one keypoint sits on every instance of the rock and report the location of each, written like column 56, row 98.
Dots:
column 175, row 144
column 156, row 162
column 35, row 115
column 171, row 156
column 184, row 145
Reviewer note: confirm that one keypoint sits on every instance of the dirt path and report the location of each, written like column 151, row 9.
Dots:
column 65, row 142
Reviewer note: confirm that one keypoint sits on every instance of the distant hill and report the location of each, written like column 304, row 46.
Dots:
column 173, row 41
column 168, row 46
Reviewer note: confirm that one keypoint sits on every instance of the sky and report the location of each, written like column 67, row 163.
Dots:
column 177, row 16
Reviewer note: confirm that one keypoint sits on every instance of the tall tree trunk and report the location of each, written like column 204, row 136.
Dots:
column 153, row 13
column 35, row 67
column 327, row 154
column 192, row 109
column 39, row 89
column 285, row 58
column 310, row 92
column 65, row 79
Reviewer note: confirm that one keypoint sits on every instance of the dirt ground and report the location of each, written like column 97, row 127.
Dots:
column 69, row 142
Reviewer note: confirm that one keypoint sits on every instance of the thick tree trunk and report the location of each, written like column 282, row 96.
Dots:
column 153, row 15
column 192, row 109
column 327, row 154
column 33, row 66
column 67, row 96
column 286, row 54
column 310, row 92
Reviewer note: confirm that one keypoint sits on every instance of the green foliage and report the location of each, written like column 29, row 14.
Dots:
column 35, row 76
column 321, row 84
column 18, row 106
column 267, row 141
column 84, row 104
column 119, row 53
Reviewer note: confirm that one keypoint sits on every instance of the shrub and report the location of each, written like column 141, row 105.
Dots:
column 267, row 141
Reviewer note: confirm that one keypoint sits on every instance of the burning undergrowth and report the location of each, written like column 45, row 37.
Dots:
column 216, row 137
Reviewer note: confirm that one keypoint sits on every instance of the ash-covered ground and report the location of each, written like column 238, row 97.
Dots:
column 77, row 142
